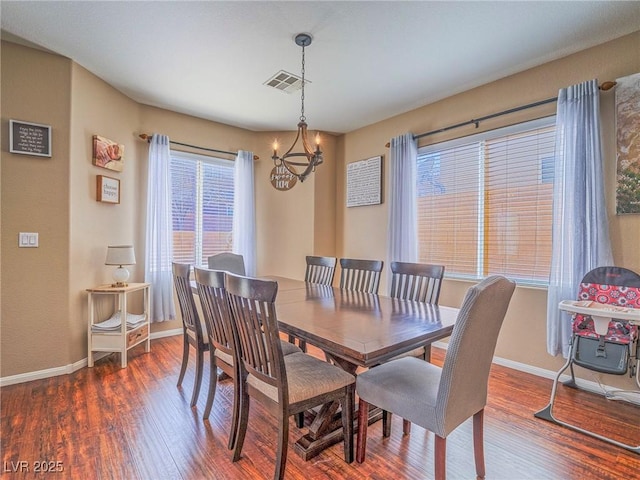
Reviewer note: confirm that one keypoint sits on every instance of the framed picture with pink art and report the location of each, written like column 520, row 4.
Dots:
column 107, row 189
column 107, row 153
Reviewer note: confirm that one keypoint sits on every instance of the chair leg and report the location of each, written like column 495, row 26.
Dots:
column 283, row 438
column 363, row 423
column 386, row 424
column 299, row 419
column 406, row 426
column 198, row 382
column 478, row 442
column 347, row 423
column 213, row 381
column 235, row 418
column 185, row 360
column 440, row 450
column 242, row 422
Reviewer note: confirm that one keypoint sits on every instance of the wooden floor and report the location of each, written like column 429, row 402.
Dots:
column 134, row 423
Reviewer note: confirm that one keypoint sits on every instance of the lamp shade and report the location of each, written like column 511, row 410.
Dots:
column 120, row 255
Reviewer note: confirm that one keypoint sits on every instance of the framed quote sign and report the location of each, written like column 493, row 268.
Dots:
column 107, row 189
column 29, row 138
column 364, row 182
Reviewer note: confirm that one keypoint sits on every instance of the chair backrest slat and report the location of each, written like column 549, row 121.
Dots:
column 320, row 270
column 215, row 308
column 181, row 281
column 420, row 282
column 253, row 311
column 227, row 261
column 360, row 275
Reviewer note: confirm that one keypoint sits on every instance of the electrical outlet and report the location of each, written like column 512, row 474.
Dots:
column 28, row 240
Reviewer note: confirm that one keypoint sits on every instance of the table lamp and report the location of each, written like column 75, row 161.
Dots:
column 120, row 255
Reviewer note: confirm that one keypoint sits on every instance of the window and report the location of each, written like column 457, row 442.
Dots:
column 485, row 203
column 202, row 206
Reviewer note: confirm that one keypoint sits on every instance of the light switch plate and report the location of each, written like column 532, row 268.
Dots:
column 28, row 240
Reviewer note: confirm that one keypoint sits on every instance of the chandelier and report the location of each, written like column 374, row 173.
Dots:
column 309, row 158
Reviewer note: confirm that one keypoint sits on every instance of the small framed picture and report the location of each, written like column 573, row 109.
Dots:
column 107, row 189
column 29, row 138
column 107, row 153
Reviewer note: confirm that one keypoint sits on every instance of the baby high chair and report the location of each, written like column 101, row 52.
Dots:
column 605, row 333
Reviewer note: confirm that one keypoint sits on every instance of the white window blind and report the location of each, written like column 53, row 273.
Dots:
column 202, row 208
column 484, row 203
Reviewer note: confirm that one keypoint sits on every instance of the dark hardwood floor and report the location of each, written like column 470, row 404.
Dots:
column 134, row 423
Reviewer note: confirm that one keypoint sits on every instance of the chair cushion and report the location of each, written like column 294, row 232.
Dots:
column 225, row 357
column 307, row 377
column 288, row 348
column 416, row 352
column 407, row 387
column 205, row 337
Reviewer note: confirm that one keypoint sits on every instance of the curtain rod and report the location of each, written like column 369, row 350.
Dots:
column 147, row 138
column 605, row 86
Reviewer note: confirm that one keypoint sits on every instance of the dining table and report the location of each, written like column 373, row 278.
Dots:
column 354, row 329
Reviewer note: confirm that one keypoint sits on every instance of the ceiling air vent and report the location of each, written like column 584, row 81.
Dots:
column 285, row 82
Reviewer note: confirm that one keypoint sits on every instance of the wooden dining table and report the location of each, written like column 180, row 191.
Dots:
column 354, row 329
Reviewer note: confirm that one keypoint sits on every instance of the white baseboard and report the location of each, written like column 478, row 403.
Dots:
column 587, row 385
column 67, row 369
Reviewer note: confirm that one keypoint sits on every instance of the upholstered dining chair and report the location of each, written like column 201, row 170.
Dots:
column 440, row 399
column 286, row 385
column 215, row 309
column 227, row 261
column 360, row 275
column 320, row 270
column 194, row 328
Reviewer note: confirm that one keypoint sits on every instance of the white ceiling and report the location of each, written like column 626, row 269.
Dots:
column 368, row 61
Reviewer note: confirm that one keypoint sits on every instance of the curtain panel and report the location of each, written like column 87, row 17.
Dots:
column 159, row 240
column 244, row 215
column 580, row 234
column 402, row 241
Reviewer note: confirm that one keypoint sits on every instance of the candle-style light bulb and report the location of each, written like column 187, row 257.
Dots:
column 275, row 148
column 318, row 139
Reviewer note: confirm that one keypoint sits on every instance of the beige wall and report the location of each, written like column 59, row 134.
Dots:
column 35, row 198
column 43, row 311
column 362, row 231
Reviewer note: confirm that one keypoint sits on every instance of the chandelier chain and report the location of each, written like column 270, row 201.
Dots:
column 302, row 117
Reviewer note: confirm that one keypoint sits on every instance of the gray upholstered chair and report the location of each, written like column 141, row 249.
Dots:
column 227, row 261
column 194, row 328
column 440, row 399
column 286, row 385
column 360, row 275
column 320, row 270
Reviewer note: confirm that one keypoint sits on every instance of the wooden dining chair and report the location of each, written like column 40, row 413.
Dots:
column 440, row 399
column 194, row 328
column 360, row 275
column 286, row 385
column 419, row 282
column 215, row 309
column 227, row 261
column 320, row 270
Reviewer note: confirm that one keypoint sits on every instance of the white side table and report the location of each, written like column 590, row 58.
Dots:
column 124, row 337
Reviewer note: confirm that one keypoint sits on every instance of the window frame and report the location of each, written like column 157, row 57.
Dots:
column 480, row 139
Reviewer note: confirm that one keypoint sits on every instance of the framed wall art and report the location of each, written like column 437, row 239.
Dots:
column 29, row 138
column 628, row 144
column 107, row 189
column 107, row 153
column 364, row 182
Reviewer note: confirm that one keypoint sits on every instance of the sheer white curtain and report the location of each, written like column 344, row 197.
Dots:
column 402, row 241
column 244, row 214
column 580, row 225
column 159, row 241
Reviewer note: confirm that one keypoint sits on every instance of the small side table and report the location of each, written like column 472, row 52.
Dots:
column 122, row 339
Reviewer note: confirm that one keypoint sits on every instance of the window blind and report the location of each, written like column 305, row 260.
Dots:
column 485, row 203
column 202, row 207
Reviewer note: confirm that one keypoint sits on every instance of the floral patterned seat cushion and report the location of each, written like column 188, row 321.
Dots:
column 620, row 331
